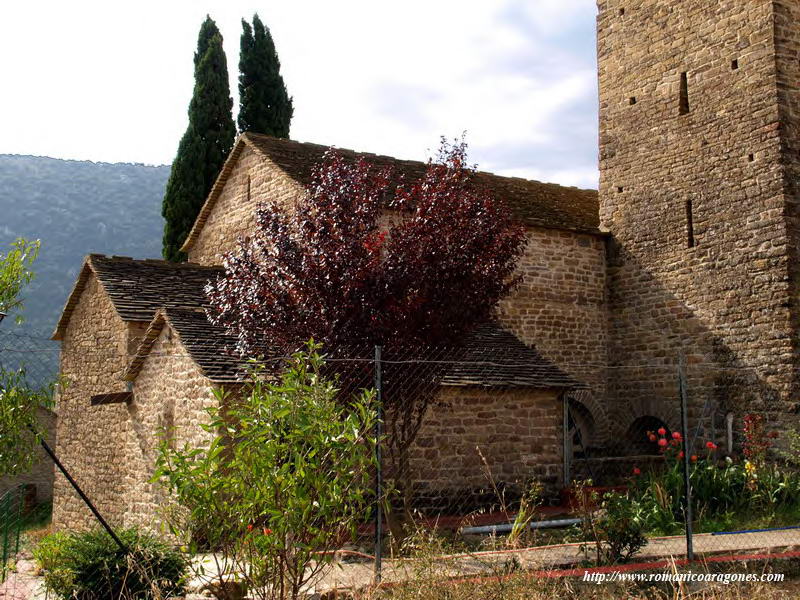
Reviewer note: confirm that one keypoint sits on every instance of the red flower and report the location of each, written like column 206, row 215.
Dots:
column 662, row 431
column 662, row 442
column 675, row 443
column 680, row 454
column 676, row 435
column 637, row 471
column 693, row 458
column 250, row 527
column 267, row 531
column 652, row 437
column 711, row 445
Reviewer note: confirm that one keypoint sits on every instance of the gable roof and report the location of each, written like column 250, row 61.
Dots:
column 208, row 345
column 137, row 288
column 535, row 203
column 494, row 357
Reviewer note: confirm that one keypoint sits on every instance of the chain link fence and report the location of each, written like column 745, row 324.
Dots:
column 499, row 452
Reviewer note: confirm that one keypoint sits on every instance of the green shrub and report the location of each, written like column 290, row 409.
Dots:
column 724, row 494
column 90, row 565
column 285, row 481
column 622, row 529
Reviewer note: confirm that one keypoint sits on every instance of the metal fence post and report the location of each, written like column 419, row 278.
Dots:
column 378, row 466
column 566, row 446
column 687, row 487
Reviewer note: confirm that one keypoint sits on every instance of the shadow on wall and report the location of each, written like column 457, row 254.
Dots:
column 651, row 329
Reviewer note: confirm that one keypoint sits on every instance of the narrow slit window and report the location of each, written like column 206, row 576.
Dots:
column 689, row 225
column 620, row 189
column 248, row 188
column 751, row 157
column 734, row 64
column 632, row 100
column 683, row 101
column 621, row 12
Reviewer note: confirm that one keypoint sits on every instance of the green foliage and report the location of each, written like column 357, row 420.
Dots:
column 621, row 530
column 285, row 478
column 15, row 273
column 88, row 566
column 19, row 425
column 265, row 105
column 723, row 492
column 791, row 450
column 205, row 144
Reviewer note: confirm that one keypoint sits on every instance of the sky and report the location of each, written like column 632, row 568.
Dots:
column 111, row 80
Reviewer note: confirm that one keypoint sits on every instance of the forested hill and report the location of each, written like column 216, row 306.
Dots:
column 74, row 208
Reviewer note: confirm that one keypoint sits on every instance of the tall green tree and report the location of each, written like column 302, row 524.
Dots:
column 265, row 105
column 205, row 145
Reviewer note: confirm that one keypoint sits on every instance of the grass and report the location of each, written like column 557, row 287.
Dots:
column 430, row 581
column 35, row 525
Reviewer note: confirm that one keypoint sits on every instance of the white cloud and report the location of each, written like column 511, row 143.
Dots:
column 111, row 81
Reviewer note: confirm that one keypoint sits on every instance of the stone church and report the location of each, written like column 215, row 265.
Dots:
column 686, row 254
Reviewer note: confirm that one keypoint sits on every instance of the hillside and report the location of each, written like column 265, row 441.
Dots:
column 76, row 207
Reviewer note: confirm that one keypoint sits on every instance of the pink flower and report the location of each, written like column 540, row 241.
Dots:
column 680, row 454
column 676, row 435
column 637, row 471
column 662, row 431
column 662, row 442
column 711, row 445
column 267, row 531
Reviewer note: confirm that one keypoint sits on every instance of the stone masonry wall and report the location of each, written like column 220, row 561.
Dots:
column 561, row 308
column 691, row 187
column 91, row 439
column 234, row 212
column 41, row 474
column 170, row 392
column 518, row 431
column 786, row 19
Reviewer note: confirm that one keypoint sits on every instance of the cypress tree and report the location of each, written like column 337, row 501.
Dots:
column 205, row 145
column 264, row 103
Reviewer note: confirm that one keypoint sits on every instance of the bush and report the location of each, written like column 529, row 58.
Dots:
column 622, row 529
column 285, row 480
column 725, row 493
column 90, row 565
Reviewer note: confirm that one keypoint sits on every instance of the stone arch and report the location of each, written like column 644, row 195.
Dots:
column 581, row 429
column 591, row 418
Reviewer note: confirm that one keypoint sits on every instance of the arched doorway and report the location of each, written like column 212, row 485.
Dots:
column 581, row 429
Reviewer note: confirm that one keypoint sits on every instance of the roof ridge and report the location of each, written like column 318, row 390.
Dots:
column 153, row 261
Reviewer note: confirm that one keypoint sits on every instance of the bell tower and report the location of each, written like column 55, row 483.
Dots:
column 699, row 167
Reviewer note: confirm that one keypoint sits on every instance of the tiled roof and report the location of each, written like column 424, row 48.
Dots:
column 490, row 357
column 533, row 202
column 494, row 357
column 137, row 288
column 208, row 345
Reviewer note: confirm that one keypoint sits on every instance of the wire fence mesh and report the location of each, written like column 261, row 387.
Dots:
column 505, row 455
